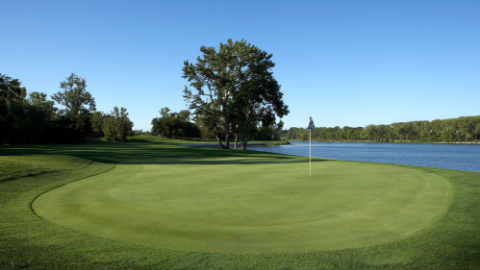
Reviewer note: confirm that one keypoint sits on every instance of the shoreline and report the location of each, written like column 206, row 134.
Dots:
column 390, row 142
column 216, row 145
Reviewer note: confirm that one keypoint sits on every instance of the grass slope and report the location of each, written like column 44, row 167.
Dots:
column 30, row 242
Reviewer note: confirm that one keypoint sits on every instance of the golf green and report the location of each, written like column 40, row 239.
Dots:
column 231, row 206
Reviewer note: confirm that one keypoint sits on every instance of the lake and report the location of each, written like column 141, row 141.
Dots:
column 454, row 156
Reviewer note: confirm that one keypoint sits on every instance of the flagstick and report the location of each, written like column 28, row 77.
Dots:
column 310, row 153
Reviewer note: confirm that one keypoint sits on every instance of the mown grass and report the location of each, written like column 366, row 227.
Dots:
column 228, row 205
column 29, row 242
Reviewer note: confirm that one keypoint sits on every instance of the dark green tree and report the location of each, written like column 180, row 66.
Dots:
column 117, row 126
column 76, row 99
column 96, row 119
column 39, row 113
column 258, row 101
column 174, row 125
column 12, row 110
column 236, row 77
column 78, row 104
column 477, row 130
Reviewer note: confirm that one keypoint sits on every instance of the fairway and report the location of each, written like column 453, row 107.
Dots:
column 227, row 205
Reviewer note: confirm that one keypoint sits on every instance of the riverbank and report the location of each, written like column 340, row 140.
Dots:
column 457, row 142
column 217, row 146
column 283, row 142
column 396, row 141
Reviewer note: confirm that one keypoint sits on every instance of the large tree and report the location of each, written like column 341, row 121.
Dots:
column 232, row 84
column 78, row 104
column 257, row 101
column 75, row 97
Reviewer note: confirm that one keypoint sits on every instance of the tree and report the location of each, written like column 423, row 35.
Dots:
column 75, row 96
column 466, row 126
column 399, row 129
column 233, row 85
column 78, row 103
column 164, row 112
column 96, row 118
column 206, row 127
column 39, row 113
column 12, row 111
column 117, row 125
column 174, row 125
column 11, row 89
column 257, row 101
column 477, row 129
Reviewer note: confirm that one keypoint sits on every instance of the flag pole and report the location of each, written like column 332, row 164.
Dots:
column 310, row 127
column 310, row 153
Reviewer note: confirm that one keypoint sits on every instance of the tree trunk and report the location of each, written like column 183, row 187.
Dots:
column 236, row 138
column 243, row 144
column 245, row 141
column 219, row 141
column 227, row 140
column 227, row 126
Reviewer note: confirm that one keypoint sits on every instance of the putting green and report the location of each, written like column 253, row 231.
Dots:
column 229, row 205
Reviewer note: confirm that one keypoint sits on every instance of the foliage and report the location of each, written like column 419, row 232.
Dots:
column 12, row 116
column 75, row 96
column 96, row 118
column 235, row 89
column 22, row 119
column 258, row 102
column 174, row 125
column 117, row 126
column 461, row 129
column 33, row 119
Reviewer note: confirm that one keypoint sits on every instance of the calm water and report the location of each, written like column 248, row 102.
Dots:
column 453, row 156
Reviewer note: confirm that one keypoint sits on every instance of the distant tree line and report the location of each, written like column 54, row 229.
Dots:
column 175, row 125
column 461, row 129
column 33, row 119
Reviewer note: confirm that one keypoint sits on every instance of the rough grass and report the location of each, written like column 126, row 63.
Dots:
column 17, row 166
column 30, row 242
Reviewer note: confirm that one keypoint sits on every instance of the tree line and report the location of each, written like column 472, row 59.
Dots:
column 461, row 129
column 179, row 125
column 175, row 125
column 33, row 119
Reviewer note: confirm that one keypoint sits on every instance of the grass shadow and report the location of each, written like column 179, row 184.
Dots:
column 153, row 152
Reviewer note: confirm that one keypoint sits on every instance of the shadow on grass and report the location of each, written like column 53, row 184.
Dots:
column 157, row 152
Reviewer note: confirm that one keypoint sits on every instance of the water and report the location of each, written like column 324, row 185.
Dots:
column 454, row 156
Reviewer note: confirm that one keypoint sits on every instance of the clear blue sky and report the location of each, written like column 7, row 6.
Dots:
column 342, row 62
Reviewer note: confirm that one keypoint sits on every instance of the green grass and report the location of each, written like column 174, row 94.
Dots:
column 13, row 167
column 249, row 205
column 226, row 205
